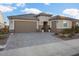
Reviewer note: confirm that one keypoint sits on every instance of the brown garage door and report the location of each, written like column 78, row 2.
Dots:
column 25, row 26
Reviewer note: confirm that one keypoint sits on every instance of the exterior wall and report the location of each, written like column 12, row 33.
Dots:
column 77, row 23
column 53, row 27
column 42, row 19
column 50, row 23
column 60, row 24
column 11, row 25
column 40, row 27
column 57, row 25
column 39, row 23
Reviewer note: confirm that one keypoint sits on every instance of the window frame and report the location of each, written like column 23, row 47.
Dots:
column 65, row 24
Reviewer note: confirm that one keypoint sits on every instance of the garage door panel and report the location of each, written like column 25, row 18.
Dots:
column 25, row 26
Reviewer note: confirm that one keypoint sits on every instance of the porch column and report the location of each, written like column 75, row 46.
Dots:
column 73, row 26
column 37, row 25
column 11, row 26
column 50, row 24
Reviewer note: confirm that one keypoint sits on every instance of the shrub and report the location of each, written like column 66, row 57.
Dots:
column 4, row 33
column 67, row 32
column 76, row 29
column 5, row 30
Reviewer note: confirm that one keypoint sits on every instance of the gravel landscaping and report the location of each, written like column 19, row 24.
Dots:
column 3, row 38
column 76, row 36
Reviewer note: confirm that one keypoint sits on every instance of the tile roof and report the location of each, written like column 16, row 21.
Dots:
column 28, row 16
column 58, row 17
column 44, row 14
column 34, row 17
column 24, row 16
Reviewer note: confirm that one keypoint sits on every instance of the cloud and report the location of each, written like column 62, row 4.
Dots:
column 38, row 1
column 46, row 3
column 77, row 17
column 4, row 8
column 31, row 10
column 20, row 4
column 72, row 12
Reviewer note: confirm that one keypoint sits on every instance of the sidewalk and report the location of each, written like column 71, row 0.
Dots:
column 63, row 48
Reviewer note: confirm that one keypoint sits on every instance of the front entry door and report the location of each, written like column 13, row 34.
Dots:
column 45, row 26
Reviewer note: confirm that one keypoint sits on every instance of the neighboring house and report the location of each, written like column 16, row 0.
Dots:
column 1, row 25
column 1, row 21
column 42, row 21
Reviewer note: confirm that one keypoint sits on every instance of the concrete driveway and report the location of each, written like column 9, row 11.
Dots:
column 20, row 40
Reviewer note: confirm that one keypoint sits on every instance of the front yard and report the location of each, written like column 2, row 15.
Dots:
column 4, row 34
column 72, row 33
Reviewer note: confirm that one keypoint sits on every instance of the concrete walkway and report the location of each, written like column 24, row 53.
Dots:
column 63, row 48
column 20, row 40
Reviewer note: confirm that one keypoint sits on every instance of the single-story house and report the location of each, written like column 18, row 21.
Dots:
column 29, row 22
column 41, row 22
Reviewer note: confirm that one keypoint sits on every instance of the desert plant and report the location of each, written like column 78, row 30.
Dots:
column 4, row 33
column 76, row 29
column 67, row 32
column 5, row 30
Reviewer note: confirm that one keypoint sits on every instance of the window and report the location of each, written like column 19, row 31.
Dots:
column 77, row 23
column 65, row 24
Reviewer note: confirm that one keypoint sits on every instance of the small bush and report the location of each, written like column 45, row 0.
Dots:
column 4, row 33
column 76, row 29
column 67, row 32
column 5, row 30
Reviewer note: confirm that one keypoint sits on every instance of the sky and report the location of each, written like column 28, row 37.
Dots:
column 64, row 9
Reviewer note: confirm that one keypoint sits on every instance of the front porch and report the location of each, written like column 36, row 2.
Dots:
column 44, row 26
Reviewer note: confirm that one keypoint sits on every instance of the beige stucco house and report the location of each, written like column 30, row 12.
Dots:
column 1, row 20
column 29, row 22
column 41, row 22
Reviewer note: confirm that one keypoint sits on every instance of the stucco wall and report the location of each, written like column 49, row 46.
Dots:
column 43, row 18
column 60, row 24
column 11, row 24
column 77, row 23
column 40, row 22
